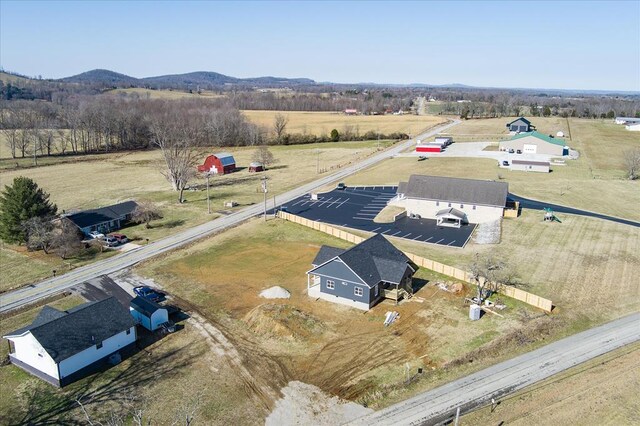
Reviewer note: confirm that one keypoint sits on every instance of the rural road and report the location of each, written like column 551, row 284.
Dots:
column 527, row 203
column 440, row 404
column 32, row 293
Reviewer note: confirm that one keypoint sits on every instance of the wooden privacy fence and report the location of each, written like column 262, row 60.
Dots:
column 509, row 291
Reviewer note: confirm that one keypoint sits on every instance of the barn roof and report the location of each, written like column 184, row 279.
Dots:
column 92, row 217
column 373, row 260
column 466, row 191
column 542, row 136
column 225, row 158
column 144, row 306
column 64, row 334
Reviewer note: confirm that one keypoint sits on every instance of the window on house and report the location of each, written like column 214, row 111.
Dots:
column 462, row 206
column 358, row 291
column 128, row 331
column 331, row 285
column 99, row 345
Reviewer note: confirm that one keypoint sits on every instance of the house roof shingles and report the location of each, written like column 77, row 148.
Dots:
column 469, row 191
column 542, row 136
column 519, row 119
column 68, row 333
column 325, row 254
column 91, row 217
column 373, row 260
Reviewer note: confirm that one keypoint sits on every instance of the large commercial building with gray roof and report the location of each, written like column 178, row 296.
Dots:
column 475, row 201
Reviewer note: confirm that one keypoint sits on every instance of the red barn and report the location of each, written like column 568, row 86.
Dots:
column 221, row 163
column 429, row 148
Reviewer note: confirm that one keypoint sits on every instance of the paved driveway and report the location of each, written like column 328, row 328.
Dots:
column 475, row 150
column 356, row 207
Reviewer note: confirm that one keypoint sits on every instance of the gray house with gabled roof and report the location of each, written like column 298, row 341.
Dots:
column 59, row 345
column 520, row 125
column 104, row 219
column 361, row 276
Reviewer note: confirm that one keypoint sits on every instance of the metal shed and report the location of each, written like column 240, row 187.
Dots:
column 530, row 166
column 147, row 313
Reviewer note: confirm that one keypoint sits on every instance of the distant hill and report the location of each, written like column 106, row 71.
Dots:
column 104, row 77
column 192, row 80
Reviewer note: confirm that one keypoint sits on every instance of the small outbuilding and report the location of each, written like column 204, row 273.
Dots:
column 627, row 120
column 634, row 127
column 429, row 147
column 256, row 167
column 450, row 217
column 443, row 140
column 220, row 164
column 148, row 314
column 530, row 166
column 520, row 125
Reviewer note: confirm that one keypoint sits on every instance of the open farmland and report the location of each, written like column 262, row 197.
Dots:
column 321, row 123
column 165, row 94
column 601, row 391
column 494, row 129
column 100, row 180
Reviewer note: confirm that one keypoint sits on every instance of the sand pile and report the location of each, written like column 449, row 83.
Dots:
column 275, row 292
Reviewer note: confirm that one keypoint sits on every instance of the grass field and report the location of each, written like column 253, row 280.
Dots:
column 321, row 123
column 99, row 180
column 496, row 128
column 601, row 391
column 165, row 94
column 166, row 380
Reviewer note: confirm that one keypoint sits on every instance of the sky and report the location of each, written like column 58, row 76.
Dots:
column 585, row 45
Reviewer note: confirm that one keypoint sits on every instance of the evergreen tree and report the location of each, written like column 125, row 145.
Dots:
column 20, row 202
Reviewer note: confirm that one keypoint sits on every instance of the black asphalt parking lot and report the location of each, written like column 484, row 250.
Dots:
column 356, row 207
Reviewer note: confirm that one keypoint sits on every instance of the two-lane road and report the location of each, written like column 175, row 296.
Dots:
column 32, row 293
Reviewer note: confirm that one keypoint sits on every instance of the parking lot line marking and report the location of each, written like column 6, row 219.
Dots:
column 363, row 218
column 396, row 233
column 297, row 202
column 376, row 229
column 325, row 201
column 342, row 203
column 333, row 202
column 438, row 242
column 451, row 242
column 417, row 237
column 407, row 235
column 428, row 239
column 385, row 231
column 303, row 204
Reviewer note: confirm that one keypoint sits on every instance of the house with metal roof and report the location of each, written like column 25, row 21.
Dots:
column 361, row 276
column 520, row 125
column 58, row 346
column 535, row 143
column 105, row 219
column 219, row 164
column 148, row 314
column 432, row 197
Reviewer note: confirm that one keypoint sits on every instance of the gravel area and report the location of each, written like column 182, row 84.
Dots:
column 275, row 292
column 488, row 233
column 304, row 404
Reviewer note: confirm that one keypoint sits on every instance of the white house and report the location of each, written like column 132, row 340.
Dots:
column 627, row 120
column 634, row 127
column 58, row 345
column 148, row 314
column 432, row 197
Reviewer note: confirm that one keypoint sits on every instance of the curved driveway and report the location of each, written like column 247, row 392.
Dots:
column 527, row 203
column 34, row 292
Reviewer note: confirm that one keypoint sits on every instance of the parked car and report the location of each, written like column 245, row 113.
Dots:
column 148, row 293
column 110, row 241
column 505, row 163
column 511, row 150
column 96, row 235
column 121, row 238
column 518, row 152
column 341, row 185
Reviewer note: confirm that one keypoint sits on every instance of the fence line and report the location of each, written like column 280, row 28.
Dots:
column 441, row 268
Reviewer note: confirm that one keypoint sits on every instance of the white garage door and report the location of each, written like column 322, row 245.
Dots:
column 530, row 149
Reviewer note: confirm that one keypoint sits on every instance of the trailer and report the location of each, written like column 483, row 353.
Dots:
column 429, row 148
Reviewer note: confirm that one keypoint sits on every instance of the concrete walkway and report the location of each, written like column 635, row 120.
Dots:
column 440, row 404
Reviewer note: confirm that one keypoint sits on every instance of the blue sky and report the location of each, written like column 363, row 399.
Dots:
column 545, row 44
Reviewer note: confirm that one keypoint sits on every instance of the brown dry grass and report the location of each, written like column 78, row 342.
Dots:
column 496, row 128
column 321, row 123
column 165, row 94
column 600, row 391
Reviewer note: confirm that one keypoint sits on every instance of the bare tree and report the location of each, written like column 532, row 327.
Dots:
column 632, row 163
column 145, row 212
column 488, row 273
column 67, row 239
column 265, row 156
column 279, row 125
column 40, row 234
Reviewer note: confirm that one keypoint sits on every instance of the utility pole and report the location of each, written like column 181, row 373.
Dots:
column 208, row 199
column 265, row 190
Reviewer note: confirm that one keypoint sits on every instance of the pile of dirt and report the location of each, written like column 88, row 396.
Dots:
column 283, row 321
column 305, row 404
column 275, row 292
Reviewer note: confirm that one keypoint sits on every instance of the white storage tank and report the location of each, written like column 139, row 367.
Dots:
column 474, row 312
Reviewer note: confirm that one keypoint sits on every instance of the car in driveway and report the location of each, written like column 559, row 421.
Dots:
column 505, row 163
column 96, row 235
column 110, row 241
column 121, row 238
column 148, row 293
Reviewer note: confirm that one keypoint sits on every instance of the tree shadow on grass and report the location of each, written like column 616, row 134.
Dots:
column 170, row 224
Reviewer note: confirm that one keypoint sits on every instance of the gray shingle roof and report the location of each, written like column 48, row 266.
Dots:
column 325, row 254
column 145, row 306
column 402, row 188
column 451, row 211
column 375, row 260
column 92, row 217
column 519, row 119
column 466, row 191
column 73, row 331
